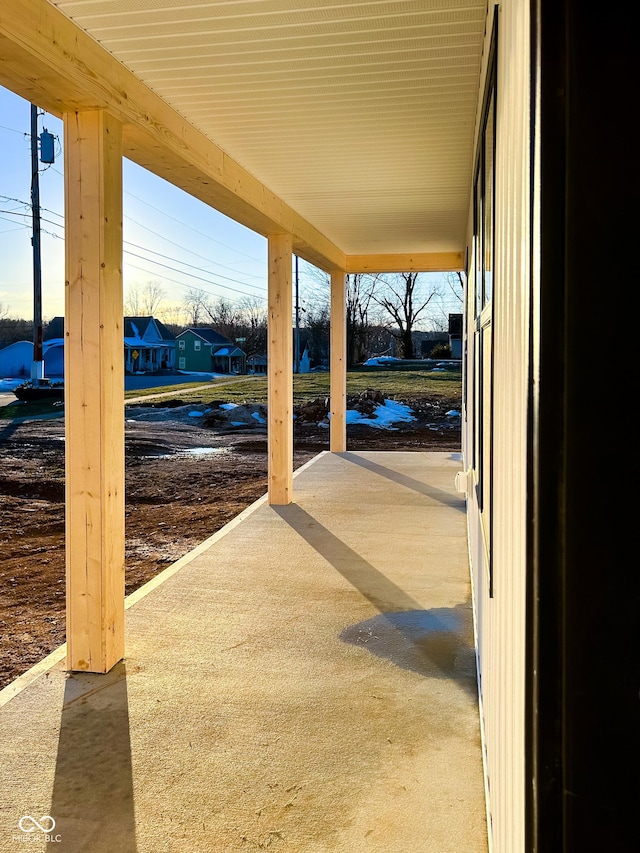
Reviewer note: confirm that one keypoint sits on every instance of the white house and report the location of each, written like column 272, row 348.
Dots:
column 16, row 360
column 149, row 346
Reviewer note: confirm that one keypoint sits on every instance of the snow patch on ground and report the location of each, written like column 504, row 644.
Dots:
column 10, row 384
column 380, row 359
column 384, row 416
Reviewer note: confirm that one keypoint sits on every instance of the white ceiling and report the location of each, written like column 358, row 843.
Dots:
column 359, row 115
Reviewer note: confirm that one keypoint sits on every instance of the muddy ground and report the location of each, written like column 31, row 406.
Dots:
column 184, row 481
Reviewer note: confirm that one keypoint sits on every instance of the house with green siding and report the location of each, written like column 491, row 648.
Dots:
column 203, row 350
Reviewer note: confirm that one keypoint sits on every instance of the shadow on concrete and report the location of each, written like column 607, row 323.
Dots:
column 432, row 643
column 383, row 593
column 445, row 498
column 435, row 643
column 92, row 801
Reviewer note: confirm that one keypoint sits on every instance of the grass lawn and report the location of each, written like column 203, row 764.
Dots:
column 22, row 409
column 395, row 383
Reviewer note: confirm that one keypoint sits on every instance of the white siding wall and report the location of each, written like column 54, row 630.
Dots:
column 500, row 621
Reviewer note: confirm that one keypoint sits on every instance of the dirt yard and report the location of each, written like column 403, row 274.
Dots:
column 185, row 478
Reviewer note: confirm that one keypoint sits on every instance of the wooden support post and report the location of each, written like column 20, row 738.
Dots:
column 94, row 391
column 280, row 370
column 338, row 348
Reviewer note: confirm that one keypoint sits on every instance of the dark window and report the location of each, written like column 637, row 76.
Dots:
column 484, row 245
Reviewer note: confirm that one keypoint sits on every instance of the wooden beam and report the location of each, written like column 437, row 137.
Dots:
column 338, row 355
column 94, row 391
column 280, row 370
column 50, row 61
column 418, row 262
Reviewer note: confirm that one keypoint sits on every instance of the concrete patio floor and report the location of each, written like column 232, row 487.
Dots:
column 303, row 681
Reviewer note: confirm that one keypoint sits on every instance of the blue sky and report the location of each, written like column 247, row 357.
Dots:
column 170, row 237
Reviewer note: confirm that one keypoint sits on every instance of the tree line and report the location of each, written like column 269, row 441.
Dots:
column 382, row 313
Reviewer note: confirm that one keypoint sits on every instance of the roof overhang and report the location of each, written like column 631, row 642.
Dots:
column 349, row 127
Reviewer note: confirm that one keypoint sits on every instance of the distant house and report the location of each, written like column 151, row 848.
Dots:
column 55, row 328
column 455, row 335
column 257, row 364
column 424, row 342
column 149, row 346
column 53, row 355
column 203, row 350
column 16, row 360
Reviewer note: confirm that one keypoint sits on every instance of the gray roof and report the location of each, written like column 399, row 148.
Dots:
column 141, row 324
column 207, row 334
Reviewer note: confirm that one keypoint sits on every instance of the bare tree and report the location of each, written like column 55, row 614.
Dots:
column 360, row 289
column 173, row 317
column 448, row 299
column 404, row 299
column 194, row 304
column 4, row 325
column 317, row 322
column 244, row 323
column 455, row 282
column 224, row 316
column 153, row 295
column 253, row 326
column 143, row 300
column 13, row 329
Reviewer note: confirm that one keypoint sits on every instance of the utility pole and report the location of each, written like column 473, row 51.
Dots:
column 37, row 368
column 297, row 350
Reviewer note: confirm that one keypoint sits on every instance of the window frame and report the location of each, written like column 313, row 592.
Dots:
column 484, row 230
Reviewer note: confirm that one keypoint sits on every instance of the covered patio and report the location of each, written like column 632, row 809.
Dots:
column 304, row 681
column 265, row 703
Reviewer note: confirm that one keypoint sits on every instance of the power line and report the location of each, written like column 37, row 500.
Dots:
column 191, row 252
column 191, row 266
column 173, row 243
column 184, row 284
column 163, row 213
column 195, row 230
column 191, row 275
column 151, row 260
column 13, row 130
column 181, row 222
column 148, row 260
column 152, row 251
column 28, row 227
